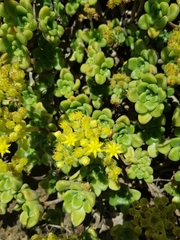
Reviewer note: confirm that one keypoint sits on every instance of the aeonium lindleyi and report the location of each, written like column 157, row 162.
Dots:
column 83, row 141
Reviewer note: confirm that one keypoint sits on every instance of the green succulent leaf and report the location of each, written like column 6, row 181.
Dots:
column 100, row 79
column 177, row 176
column 78, row 216
column 63, row 185
column 144, row 21
column 165, row 147
column 173, row 11
column 6, row 196
column 174, row 154
column 144, row 118
column 77, row 202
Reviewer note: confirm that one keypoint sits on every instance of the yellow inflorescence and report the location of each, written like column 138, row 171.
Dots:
column 113, row 3
column 12, row 84
column 4, row 145
column 79, row 143
column 174, row 40
column 172, row 72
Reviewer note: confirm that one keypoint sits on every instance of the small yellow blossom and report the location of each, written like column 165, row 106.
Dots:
column 70, row 139
column 93, row 123
column 60, row 164
column 10, row 124
column 84, row 142
column 76, row 125
column 72, row 116
column 94, row 146
column 79, row 115
column 113, row 172
column 96, row 131
column 85, row 160
column 85, row 122
column 106, row 161
column 3, row 166
column 78, row 152
column 17, row 128
column 89, row 133
column 63, row 124
column 4, row 146
column 113, row 149
column 69, row 160
column 106, row 130
column 13, row 136
column 57, row 156
column 59, row 136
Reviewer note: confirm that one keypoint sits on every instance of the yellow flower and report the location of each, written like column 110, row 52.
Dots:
column 84, row 142
column 85, row 160
column 113, row 149
column 78, row 115
column 72, row 116
column 4, row 146
column 85, row 122
column 3, row 166
column 57, row 156
column 106, row 130
column 94, row 146
column 76, row 125
column 70, row 139
column 78, row 152
column 17, row 128
column 63, row 124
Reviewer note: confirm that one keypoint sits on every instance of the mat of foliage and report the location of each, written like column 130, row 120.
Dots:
column 89, row 119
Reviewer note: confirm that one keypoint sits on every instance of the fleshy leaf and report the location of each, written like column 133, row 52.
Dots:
column 78, row 216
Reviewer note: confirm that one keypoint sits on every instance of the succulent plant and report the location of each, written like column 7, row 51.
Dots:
column 139, row 164
column 80, row 103
column 124, row 133
column 123, row 197
column 66, row 84
column 51, row 31
column 97, row 66
column 78, row 200
column 119, row 87
column 104, row 116
column 158, row 14
column 9, row 187
column 135, row 67
column 28, row 201
column 149, row 95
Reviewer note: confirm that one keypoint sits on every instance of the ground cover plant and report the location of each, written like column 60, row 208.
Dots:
column 90, row 118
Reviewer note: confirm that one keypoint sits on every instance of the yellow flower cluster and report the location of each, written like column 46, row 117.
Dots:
column 12, row 84
column 4, row 145
column 172, row 72
column 113, row 3
column 82, row 140
column 174, row 40
column 16, row 166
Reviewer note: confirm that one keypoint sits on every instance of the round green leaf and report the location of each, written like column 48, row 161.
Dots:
column 140, row 107
column 63, row 185
column 174, row 154
column 78, row 216
column 144, row 21
column 6, row 196
column 173, row 12
column 144, row 118
column 77, row 202
column 100, row 79
column 177, row 176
